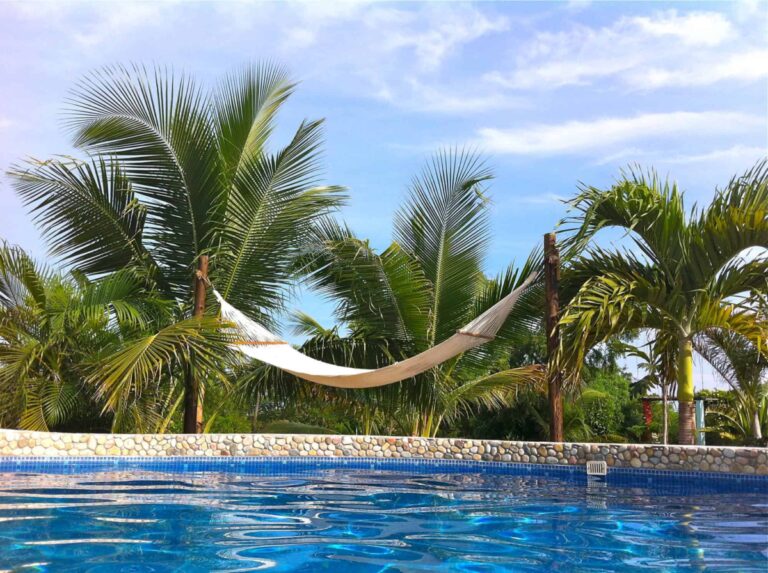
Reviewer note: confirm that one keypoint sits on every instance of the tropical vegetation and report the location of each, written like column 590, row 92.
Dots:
column 107, row 337
column 417, row 292
column 687, row 274
column 739, row 363
column 173, row 173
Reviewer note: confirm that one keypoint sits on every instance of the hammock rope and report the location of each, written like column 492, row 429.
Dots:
column 258, row 343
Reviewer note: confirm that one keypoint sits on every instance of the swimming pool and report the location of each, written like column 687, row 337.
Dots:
column 184, row 514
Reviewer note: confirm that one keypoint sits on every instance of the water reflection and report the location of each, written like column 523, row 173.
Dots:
column 359, row 521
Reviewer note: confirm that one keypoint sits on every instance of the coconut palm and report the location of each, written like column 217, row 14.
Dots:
column 174, row 172
column 415, row 293
column 686, row 274
column 745, row 369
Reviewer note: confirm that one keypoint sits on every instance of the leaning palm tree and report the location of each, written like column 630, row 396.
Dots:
column 173, row 173
column 686, row 274
column 416, row 293
column 743, row 367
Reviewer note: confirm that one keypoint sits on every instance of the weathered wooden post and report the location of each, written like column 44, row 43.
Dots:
column 193, row 392
column 555, row 377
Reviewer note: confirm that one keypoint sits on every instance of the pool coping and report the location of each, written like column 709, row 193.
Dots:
column 650, row 457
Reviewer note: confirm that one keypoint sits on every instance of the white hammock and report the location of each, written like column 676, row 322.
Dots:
column 259, row 343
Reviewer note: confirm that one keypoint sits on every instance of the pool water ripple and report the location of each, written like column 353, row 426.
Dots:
column 369, row 521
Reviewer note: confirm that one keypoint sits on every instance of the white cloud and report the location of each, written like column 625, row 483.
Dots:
column 115, row 19
column 6, row 122
column 416, row 56
column 747, row 9
column 642, row 52
column 736, row 154
column 576, row 137
column 426, row 35
column 578, row 5
column 693, row 29
column 414, row 95
column 449, row 29
column 744, row 66
column 547, row 199
column 394, row 53
column 94, row 23
column 744, row 153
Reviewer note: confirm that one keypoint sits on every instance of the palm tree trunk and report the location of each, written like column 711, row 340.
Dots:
column 192, row 401
column 757, row 432
column 255, row 416
column 193, row 390
column 367, row 420
column 437, row 425
column 415, row 426
column 426, row 428
column 665, row 413
column 555, row 376
column 685, row 392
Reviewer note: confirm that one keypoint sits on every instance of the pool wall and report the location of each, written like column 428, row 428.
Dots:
column 652, row 457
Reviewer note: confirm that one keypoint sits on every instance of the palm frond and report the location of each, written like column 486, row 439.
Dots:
column 123, row 376
column 384, row 296
column 272, row 205
column 650, row 209
column 605, row 306
column 735, row 359
column 245, row 105
column 445, row 224
column 736, row 220
column 304, row 325
column 90, row 210
column 21, row 279
column 157, row 125
column 497, row 389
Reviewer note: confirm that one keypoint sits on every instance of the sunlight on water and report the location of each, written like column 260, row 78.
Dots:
column 366, row 520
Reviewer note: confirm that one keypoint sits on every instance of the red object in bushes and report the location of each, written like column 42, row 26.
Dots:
column 647, row 412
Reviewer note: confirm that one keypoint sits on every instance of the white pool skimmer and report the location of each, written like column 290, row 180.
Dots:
column 597, row 468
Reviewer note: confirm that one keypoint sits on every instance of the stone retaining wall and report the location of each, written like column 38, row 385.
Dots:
column 688, row 458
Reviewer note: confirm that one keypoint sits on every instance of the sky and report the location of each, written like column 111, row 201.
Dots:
column 551, row 94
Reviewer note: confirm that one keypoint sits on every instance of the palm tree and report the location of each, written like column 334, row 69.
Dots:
column 173, row 173
column 417, row 292
column 739, row 363
column 659, row 363
column 729, row 419
column 687, row 273
column 53, row 327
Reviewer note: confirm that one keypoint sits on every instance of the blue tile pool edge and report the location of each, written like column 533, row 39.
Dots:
column 270, row 465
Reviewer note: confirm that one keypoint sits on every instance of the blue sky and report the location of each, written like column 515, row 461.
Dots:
column 551, row 93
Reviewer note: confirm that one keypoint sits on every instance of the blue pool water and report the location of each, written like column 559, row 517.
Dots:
column 111, row 515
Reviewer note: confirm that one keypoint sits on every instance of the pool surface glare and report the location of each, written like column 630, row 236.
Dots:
column 385, row 518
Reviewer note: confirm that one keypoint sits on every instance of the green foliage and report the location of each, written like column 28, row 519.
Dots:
column 604, row 402
column 745, row 368
column 173, row 172
column 685, row 275
column 54, row 329
column 613, row 439
column 416, row 293
column 730, row 421
column 286, row 427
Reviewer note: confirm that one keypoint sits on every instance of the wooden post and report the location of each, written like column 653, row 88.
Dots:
column 555, row 377
column 193, row 392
